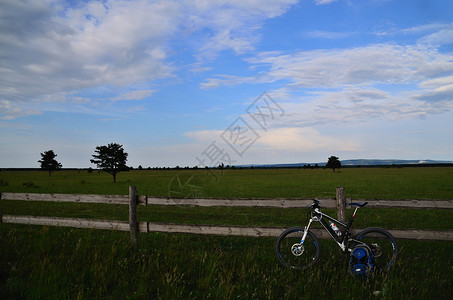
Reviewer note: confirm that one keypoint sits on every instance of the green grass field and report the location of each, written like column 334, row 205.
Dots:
column 62, row 263
column 40, row 262
column 359, row 183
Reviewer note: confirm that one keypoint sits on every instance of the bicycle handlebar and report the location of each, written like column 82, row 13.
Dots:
column 315, row 204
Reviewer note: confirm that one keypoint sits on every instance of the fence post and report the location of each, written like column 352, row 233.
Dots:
column 133, row 225
column 341, row 204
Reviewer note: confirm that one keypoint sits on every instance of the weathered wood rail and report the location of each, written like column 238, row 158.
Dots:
column 280, row 203
column 146, row 227
column 134, row 227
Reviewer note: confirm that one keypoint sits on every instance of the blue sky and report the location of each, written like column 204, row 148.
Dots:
column 186, row 83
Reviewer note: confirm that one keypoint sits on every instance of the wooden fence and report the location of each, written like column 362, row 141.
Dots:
column 146, row 227
column 135, row 227
column 280, row 203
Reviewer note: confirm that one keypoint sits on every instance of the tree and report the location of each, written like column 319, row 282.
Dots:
column 111, row 159
column 48, row 161
column 333, row 163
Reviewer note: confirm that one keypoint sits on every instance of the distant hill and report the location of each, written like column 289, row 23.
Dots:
column 380, row 162
column 359, row 162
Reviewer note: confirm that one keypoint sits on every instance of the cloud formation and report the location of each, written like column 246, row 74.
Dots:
column 381, row 63
column 383, row 81
column 49, row 47
column 305, row 139
column 134, row 95
column 163, row 69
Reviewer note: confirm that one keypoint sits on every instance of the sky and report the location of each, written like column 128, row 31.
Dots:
column 200, row 83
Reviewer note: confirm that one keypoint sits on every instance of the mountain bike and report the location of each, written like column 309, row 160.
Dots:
column 371, row 250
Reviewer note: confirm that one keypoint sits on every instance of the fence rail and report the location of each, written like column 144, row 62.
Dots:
column 84, row 198
column 134, row 227
column 146, row 227
column 281, row 203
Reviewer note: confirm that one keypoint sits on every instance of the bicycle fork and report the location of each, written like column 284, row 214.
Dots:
column 306, row 231
column 298, row 248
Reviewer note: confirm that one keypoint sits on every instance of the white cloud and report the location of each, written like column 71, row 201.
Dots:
column 355, row 106
column 323, row 2
column 134, row 95
column 50, row 51
column 441, row 37
column 424, row 28
column 200, row 69
column 442, row 96
column 10, row 110
column 348, row 85
column 437, row 82
column 373, row 64
column 204, row 136
column 363, row 65
column 227, row 80
column 231, row 24
column 438, row 90
column 322, row 34
column 305, row 139
column 288, row 143
column 51, row 48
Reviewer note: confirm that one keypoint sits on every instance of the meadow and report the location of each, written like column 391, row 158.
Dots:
column 63, row 263
column 41, row 262
column 359, row 183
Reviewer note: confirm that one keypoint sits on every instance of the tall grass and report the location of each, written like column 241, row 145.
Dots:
column 61, row 263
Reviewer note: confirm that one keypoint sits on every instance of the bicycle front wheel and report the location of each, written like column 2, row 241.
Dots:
column 382, row 244
column 294, row 253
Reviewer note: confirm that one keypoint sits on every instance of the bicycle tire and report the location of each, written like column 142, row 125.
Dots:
column 291, row 254
column 383, row 245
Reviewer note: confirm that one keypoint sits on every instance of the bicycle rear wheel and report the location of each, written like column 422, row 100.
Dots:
column 294, row 253
column 382, row 244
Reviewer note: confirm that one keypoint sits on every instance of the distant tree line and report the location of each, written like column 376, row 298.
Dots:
column 112, row 159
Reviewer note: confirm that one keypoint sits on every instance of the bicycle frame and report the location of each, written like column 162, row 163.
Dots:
column 380, row 245
column 343, row 240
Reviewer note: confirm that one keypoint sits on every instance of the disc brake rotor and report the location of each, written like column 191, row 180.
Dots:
column 297, row 249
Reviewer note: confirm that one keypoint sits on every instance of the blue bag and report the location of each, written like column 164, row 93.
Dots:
column 361, row 261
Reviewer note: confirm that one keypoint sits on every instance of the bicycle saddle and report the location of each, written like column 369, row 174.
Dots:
column 361, row 204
